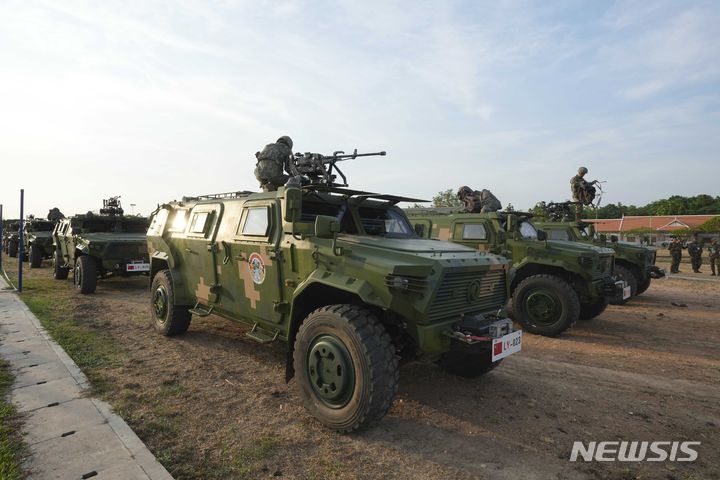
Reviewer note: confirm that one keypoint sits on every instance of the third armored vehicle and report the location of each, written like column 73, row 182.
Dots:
column 10, row 239
column 340, row 276
column 96, row 246
column 634, row 264
column 37, row 237
column 552, row 283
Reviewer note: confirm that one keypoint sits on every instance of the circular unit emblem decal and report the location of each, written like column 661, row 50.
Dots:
column 474, row 290
column 257, row 268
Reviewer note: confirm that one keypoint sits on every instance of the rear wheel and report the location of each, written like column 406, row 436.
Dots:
column 467, row 365
column 345, row 367
column 545, row 305
column 85, row 274
column 624, row 273
column 643, row 285
column 35, row 256
column 60, row 272
column 592, row 309
column 167, row 318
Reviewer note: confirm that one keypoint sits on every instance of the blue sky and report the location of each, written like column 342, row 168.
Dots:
column 156, row 100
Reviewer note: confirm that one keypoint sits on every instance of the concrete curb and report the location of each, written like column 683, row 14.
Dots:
column 81, row 437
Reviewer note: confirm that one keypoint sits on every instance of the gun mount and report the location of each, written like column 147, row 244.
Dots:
column 559, row 211
column 318, row 169
column 112, row 206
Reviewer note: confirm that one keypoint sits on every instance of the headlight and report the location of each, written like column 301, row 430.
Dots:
column 585, row 262
column 405, row 283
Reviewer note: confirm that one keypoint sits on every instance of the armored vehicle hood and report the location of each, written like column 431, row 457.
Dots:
column 580, row 247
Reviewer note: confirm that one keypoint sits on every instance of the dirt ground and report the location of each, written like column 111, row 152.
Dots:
column 214, row 404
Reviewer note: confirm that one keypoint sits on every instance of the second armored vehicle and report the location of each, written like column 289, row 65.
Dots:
column 97, row 246
column 552, row 284
column 38, row 241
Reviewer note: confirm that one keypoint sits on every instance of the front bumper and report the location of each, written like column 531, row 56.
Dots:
column 655, row 272
column 613, row 289
column 475, row 334
column 127, row 267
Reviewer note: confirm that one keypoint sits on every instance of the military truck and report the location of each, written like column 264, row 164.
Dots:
column 552, row 284
column 339, row 275
column 97, row 246
column 633, row 263
column 38, row 240
column 11, row 239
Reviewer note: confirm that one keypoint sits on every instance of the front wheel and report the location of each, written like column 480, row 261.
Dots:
column 167, row 318
column 345, row 367
column 60, row 271
column 13, row 249
column 35, row 256
column 85, row 274
column 466, row 364
column 624, row 273
column 643, row 285
column 545, row 305
column 592, row 309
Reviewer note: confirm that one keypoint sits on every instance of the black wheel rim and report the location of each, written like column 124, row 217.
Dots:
column 160, row 303
column 330, row 370
column 543, row 306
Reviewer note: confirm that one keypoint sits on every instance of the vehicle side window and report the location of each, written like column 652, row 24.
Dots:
column 199, row 223
column 558, row 235
column 474, row 231
column 256, row 222
column 179, row 220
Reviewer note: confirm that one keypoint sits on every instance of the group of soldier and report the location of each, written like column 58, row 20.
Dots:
column 695, row 250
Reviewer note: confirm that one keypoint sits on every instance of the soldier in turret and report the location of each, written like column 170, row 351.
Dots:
column 273, row 164
column 675, row 248
column 714, row 255
column 482, row 201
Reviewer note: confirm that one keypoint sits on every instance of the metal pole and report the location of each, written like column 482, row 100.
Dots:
column 21, row 240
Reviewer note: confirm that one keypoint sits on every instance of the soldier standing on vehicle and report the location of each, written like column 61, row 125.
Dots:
column 695, row 249
column 714, row 254
column 583, row 191
column 675, row 248
column 273, row 164
column 482, row 201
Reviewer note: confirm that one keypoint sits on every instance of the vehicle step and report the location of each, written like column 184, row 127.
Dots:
column 201, row 310
column 261, row 336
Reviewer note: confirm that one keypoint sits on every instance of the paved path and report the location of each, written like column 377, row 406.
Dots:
column 69, row 435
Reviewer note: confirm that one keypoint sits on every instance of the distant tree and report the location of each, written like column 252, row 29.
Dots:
column 446, row 198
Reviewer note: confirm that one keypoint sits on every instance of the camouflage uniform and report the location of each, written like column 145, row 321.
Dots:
column 714, row 254
column 272, row 162
column 695, row 249
column 475, row 201
column 675, row 248
column 583, row 192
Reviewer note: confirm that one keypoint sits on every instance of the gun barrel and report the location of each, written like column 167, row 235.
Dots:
column 354, row 155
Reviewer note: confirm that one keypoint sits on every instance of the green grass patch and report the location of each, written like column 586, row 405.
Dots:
column 10, row 446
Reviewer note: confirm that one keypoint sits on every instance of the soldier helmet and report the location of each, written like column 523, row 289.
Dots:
column 286, row 140
column 582, row 170
column 463, row 191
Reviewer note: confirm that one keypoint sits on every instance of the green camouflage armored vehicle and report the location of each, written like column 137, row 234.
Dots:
column 38, row 240
column 98, row 246
column 552, row 283
column 633, row 263
column 340, row 276
column 10, row 238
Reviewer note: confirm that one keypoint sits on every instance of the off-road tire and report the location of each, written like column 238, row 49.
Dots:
column 555, row 289
column 624, row 273
column 59, row 271
column 13, row 249
column 85, row 274
column 168, row 319
column 466, row 364
column 590, row 310
column 35, row 256
column 357, row 337
column 643, row 285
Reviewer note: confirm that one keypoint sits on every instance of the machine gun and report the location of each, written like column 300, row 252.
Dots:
column 559, row 211
column 318, row 169
column 111, row 206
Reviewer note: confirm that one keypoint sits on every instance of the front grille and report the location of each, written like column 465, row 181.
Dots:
column 454, row 297
column 128, row 251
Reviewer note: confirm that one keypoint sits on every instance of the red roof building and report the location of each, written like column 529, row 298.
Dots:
column 663, row 225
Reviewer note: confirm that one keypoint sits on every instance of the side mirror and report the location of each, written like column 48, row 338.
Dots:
column 613, row 238
column 293, row 205
column 541, row 235
column 326, row 226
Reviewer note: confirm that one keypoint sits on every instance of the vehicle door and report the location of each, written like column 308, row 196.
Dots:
column 66, row 242
column 200, row 251
column 257, row 262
